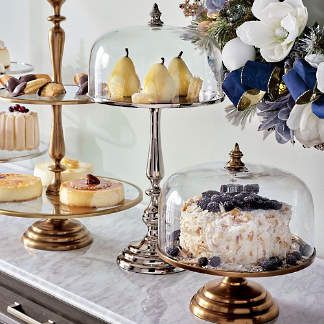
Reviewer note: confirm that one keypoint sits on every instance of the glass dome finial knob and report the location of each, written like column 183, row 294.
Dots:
column 235, row 163
column 155, row 16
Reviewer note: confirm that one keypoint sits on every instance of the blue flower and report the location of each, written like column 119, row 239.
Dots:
column 214, row 5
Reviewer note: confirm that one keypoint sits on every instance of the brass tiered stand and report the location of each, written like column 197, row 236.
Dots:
column 58, row 230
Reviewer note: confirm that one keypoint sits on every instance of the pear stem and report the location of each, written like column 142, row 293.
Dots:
column 162, row 59
column 180, row 54
column 127, row 52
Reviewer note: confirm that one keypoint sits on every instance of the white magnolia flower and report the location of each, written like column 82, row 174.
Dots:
column 320, row 77
column 314, row 59
column 308, row 128
column 279, row 24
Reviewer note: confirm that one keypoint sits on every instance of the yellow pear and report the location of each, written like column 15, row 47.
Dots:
column 180, row 74
column 123, row 81
column 158, row 87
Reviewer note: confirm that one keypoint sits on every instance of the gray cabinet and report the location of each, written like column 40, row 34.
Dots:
column 21, row 303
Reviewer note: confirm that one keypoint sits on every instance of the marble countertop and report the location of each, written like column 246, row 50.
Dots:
column 90, row 278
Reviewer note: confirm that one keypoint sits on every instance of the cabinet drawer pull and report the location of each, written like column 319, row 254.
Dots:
column 17, row 311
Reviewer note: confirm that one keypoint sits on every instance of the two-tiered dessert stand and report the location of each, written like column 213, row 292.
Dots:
column 58, row 230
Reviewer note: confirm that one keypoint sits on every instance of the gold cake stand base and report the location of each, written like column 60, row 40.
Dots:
column 234, row 300
column 56, row 235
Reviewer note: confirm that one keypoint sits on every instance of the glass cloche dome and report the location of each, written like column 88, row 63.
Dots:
column 251, row 219
column 154, row 65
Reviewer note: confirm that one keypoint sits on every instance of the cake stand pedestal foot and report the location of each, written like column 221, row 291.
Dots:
column 234, row 300
column 142, row 257
column 56, row 235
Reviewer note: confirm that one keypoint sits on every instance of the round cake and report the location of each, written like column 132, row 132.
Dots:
column 74, row 170
column 236, row 226
column 19, row 129
column 19, row 187
column 92, row 192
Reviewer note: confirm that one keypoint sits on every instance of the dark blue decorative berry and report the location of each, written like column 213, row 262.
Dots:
column 175, row 235
column 306, row 250
column 275, row 204
column 216, row 198
column 291, row 259
column 228, row 205
column 296, row 254
column 223, row 188
column 173, row 251
column 209, row 193
column 11, row 109
column 253, row 188
column 234, row 188
column 202, row 262
column 203, row 203
column 271, row 264
column 215, row 261
column 213, row 207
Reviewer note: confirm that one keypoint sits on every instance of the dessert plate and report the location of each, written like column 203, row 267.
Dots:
column 51, row 208
column 221, row 271
column 69, row 98
column 19, row 68
column 11, row 156
column 181, row 103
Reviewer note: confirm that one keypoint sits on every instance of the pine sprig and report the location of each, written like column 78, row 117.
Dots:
column 240, row 118
column 222, row 31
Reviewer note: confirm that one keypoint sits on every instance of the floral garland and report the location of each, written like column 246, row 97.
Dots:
column 274, row 63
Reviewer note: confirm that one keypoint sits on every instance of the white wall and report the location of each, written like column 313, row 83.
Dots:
column 116, row 141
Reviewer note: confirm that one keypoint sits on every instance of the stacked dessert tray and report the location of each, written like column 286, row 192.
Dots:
column 58, row 230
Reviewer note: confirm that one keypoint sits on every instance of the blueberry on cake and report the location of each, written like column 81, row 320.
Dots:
column 236, row 226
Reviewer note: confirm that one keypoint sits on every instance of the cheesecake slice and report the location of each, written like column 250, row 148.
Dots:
column 19, row 187
column 92, row 192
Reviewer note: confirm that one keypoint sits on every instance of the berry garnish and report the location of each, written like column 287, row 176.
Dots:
column 215, row 261
column 202, row 262
column 213, row 207
column 305, row 250
column 271, row 264
column 175, row 235
column 92, row 180
column 228, row 205
column 253, row 188
column 296, row 254
column 291, row 259
column 172, row 251
column 234, row 188
column 203, row 203
column 223, row 188
column 209, row 193
column 11, row 109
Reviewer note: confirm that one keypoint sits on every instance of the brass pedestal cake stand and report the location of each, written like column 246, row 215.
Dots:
column 58, row 230
column 234, row 299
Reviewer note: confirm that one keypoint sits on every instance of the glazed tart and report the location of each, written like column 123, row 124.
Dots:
column 91, row 192
column 19, row 187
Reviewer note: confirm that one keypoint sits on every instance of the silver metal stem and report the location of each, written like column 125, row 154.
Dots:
column 141, row 256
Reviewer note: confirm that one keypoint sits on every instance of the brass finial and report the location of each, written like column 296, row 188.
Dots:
column 155, row 17
column 235, row 163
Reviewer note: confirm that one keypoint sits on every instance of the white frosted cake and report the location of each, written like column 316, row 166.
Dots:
column 4, row 56
column 19, row 129
column 239, row 229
